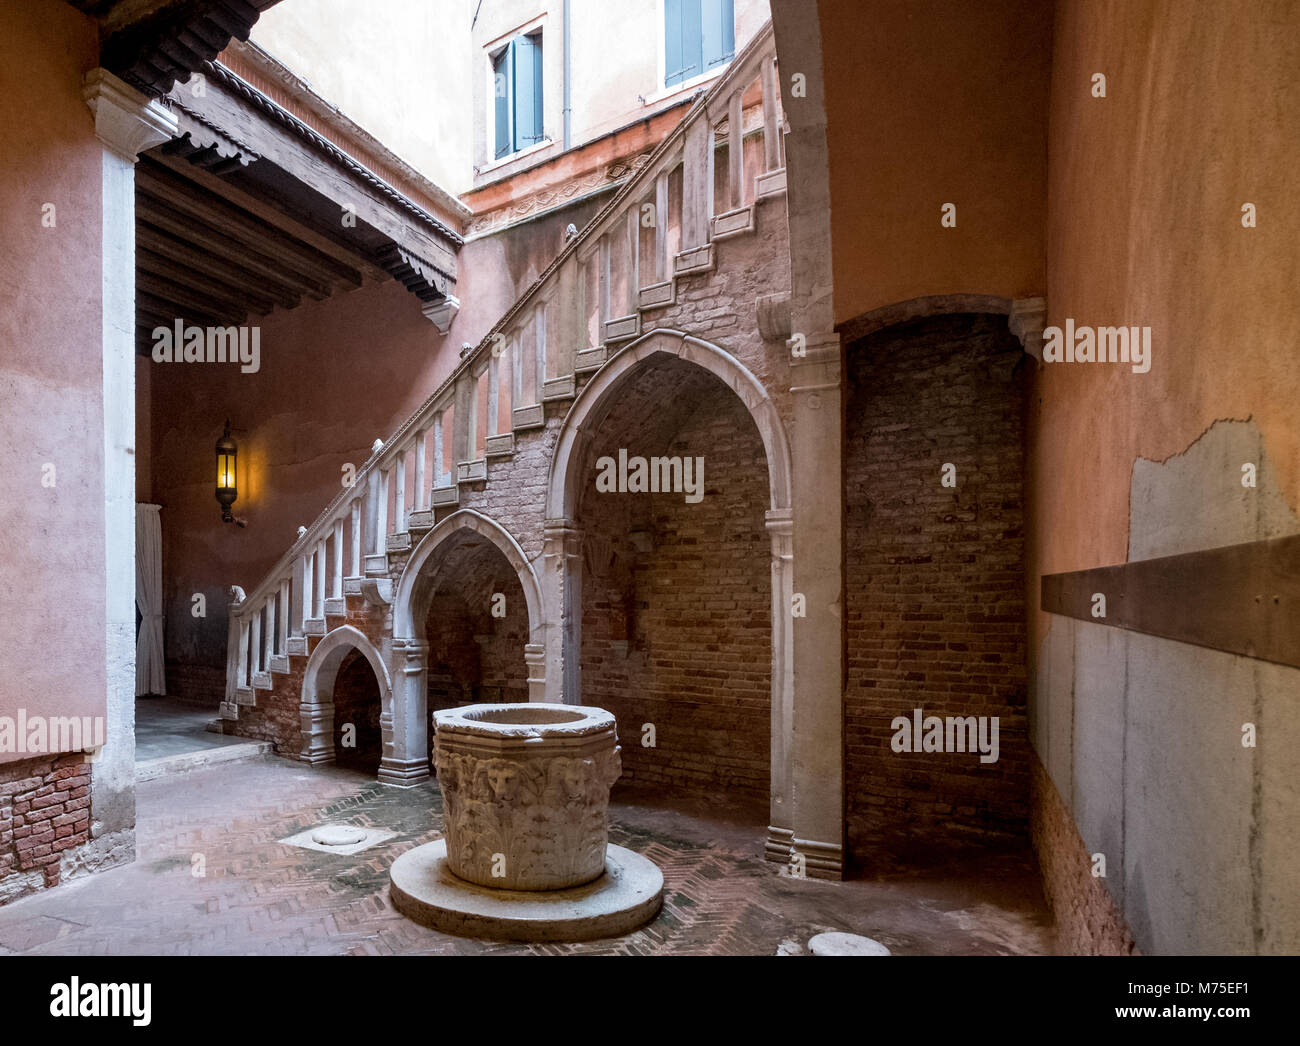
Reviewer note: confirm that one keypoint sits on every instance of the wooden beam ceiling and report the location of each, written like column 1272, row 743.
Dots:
column 210, row 254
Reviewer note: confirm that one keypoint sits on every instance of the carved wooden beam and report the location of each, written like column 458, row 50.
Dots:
column 202, row 262
column 270, row 212
column 169, row 42
column 382, row 224
column 192, row 200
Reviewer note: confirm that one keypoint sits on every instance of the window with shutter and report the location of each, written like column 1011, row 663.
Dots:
column 699, row 35
column 501, row 94
column 718, row 31
column 517, row 95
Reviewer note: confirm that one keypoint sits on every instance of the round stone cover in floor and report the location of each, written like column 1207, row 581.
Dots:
column 845, row 944
column 338, row 835
column 626, row 897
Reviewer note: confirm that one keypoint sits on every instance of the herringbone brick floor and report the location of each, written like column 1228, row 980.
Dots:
column 258, row 896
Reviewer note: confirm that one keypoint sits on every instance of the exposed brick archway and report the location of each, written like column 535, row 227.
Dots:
column 934, row 590
column 319, row 679
column 565, row 484
column 412, row 601
column 565, row 540
column 419, row 576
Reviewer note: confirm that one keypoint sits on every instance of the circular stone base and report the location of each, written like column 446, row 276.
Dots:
column 845, row 944
column 626, row 897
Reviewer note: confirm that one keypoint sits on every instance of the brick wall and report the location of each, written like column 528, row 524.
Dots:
column 44, row 817
column 676, row 626
column 200, row 684
column 356, row 702
column 1087, row 920
column 934, row 577
column 473, row 655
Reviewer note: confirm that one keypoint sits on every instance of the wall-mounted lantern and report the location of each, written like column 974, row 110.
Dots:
column 227, row 490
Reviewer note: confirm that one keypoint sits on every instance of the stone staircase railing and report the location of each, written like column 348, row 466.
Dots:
column 661, row 225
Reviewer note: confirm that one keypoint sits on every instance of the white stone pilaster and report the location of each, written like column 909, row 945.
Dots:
column 816, row 755
column 405, row 759
column 127, row 123
column 562, row 596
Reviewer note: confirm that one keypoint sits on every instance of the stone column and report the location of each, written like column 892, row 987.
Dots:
column 562, row 595
column 780, row 832
column 817, row 722
column 127, row 123
column 406, row 736
column 816, row 743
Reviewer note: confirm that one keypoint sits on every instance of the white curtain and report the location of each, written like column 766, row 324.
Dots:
column 149, row 677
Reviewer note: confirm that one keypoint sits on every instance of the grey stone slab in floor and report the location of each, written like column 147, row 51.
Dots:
column 164, row 727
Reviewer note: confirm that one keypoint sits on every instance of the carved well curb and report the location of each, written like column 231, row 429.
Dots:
column 526, row 792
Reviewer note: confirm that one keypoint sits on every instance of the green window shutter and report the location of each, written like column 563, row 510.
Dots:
column 683, row 41
column 538, row 121
column 501, row 93
column 718, row 31
column 527, row 51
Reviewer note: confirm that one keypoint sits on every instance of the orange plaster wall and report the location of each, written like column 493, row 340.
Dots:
column 932, row 102
column 1144, row 227
column 51, row 375
column 334, row 376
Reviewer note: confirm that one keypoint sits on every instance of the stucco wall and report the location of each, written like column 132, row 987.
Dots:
column 399, row 68
column 1142, row 736
column 930, row 102
column 416, row 73
column 52, row 563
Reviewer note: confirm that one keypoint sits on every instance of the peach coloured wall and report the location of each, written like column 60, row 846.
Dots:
column 1144, row 227
column 1142, row 737
column 334, row 376
column 52, row 566
column 931, row 102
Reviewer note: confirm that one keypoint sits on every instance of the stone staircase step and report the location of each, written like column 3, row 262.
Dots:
column 152, row 769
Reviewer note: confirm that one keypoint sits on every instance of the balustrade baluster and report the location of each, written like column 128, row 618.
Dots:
column 308, row 589
column 399, row 493
column 437, row 448
column 337, row 592
column 771, row 115
column 421, row 483
column 736, row 150
column 540, row 345
column 283, row 617
column 356, row 537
